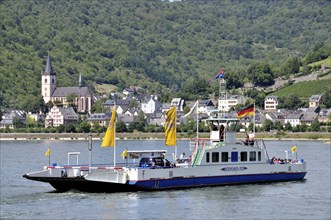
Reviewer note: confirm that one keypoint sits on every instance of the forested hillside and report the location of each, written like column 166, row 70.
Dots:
column 154, row 44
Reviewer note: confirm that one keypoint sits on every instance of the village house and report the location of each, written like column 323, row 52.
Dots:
column 126, row 119
column 150, row 105
column 36, row 116
column 315, row 100
column 324, row 115
column 205, row 106
column 276, row 116
column 259, row 119
column 179, row 103
column 132, row 112
column 128, row 91
column 8, row 119
column 60, row 116
column 270, row 103
column 226, row 104
column 294, row 119
column 121, row 105
column 309, row 117
column 165, row 107
column 101, row 119
column 157, row 118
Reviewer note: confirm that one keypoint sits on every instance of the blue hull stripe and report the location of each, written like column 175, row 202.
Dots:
column 216, row 180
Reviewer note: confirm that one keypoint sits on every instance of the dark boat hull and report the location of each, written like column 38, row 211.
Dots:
column 81, row 184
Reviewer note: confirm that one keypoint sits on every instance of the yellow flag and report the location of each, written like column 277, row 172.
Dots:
column 124, row 153
column 48, row 152
column 109, row 138
column 170, row 127
column 294, row 149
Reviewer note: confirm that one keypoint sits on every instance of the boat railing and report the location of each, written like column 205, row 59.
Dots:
column 261, row 145
column 198, row 146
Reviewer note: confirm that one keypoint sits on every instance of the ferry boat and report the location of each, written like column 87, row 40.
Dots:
column 218, row 160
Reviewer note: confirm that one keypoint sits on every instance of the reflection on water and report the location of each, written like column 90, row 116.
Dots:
column 24, row 199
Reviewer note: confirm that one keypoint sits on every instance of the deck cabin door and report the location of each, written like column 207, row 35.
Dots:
column 234, row 156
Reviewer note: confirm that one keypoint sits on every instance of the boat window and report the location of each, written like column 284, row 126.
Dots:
column 225, row 156
column 234, row 156
column 259, row 156
column 252, row 156
column 207, row 157
column 215, row 157
column 243, row 156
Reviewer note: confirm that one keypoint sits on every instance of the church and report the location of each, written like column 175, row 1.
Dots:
column 82, row 96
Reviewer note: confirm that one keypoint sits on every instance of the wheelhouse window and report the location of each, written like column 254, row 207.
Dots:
column 259, row 156
column 215, row 157
column 252, row 156
column 243, row 156
column 207, row 157
column 225, row 156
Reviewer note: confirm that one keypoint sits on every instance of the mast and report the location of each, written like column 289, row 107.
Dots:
column 197, row 120
column 254, row 120
column 115, row 135
column 222, row 98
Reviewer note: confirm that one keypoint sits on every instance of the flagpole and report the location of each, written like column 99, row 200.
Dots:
column 254, row 121
column 115, row 138
column 176, row 132
column 197, row 120
column 48, row 154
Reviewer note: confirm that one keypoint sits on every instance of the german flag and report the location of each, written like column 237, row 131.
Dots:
column 248, row 111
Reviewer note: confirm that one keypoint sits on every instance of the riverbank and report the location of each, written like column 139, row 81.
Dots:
column 321, row 136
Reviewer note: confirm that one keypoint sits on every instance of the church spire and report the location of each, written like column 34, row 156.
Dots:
column 48, row 68
column 80, row 80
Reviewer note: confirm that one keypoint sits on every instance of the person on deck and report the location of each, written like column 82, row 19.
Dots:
column 251, row 137
column 222, row 133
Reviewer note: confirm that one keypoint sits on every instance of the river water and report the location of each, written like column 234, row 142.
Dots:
column 26, row 199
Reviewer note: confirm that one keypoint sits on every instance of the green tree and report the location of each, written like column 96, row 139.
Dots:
column 261, row 74
column 278, row 126
column 18, row 123
column 251, row 126
column 257, row 96
column 315, row 126
column 291, row 66
column 60, row 128
column 327, row 98
column 288, row 126
column 31, row 103
column 141, row 122
column 319, row 52
column 1, row 114
column 291, row 101
column 133, row 104
column 268, row 125
column 70, row 128
column 98, row 107
column 186, row 110
column 121, row 127
column 84, row 127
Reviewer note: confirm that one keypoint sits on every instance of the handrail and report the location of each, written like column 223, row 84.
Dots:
column 265, row 149
column 73, row 154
